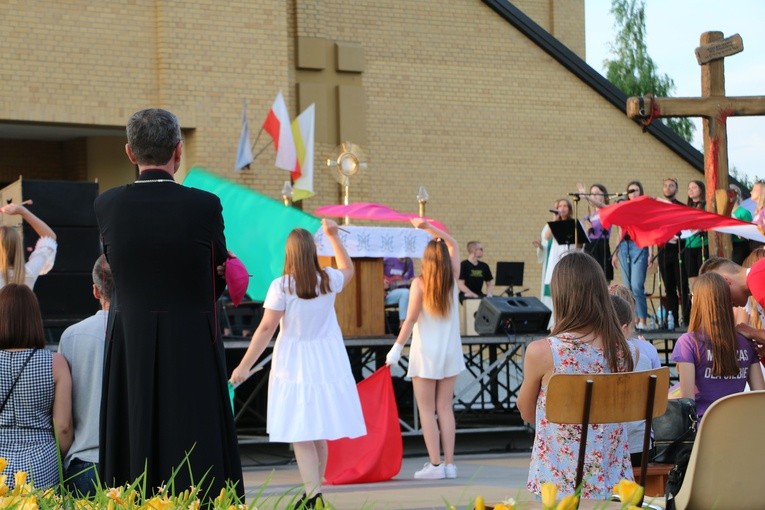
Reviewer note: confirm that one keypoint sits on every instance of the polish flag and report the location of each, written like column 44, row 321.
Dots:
column 277, row 125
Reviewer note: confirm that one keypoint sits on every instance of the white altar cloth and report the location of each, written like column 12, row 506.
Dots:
column 376, row 242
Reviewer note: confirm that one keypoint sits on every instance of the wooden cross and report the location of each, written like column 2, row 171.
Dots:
column 715, row 108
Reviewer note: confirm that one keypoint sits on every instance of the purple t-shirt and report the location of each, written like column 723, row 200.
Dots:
column 708, row 387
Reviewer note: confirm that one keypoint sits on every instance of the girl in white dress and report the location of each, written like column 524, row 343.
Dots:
column 312, row 396
column 435, row 357
column 12, row 266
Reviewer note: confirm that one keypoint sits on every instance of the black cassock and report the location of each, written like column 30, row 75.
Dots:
column 165, row 387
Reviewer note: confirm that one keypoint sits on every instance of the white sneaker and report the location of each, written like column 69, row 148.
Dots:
column 450, row 470
column 431, row 472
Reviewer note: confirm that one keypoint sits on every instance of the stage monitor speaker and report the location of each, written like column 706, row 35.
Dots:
column 500, row 315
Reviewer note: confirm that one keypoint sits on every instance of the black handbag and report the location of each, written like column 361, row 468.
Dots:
column 675, row 431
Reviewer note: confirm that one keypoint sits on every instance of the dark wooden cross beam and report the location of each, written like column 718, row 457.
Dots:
column 715, row 108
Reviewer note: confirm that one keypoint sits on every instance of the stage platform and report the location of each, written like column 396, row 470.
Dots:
column 485, row 394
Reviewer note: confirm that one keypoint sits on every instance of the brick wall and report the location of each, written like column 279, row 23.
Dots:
column 456, row 100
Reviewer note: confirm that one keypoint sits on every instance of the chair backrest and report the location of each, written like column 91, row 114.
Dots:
column 616, row 397
column 725, row 468
column 608, row 398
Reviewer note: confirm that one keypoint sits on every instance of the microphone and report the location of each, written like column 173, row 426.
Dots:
column 576, row 194
column 554, row 211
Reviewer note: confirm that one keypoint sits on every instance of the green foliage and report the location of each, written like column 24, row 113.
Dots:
column 747, row 181
column 632, row 69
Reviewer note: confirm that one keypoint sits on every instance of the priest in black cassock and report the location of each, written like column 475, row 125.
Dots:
column 165, row 395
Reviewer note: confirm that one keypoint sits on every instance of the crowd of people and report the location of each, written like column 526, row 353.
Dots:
column 678, row 260
column 594, row 334
column 109, row 400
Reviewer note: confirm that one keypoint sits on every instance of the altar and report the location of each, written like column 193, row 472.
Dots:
column 360, row 307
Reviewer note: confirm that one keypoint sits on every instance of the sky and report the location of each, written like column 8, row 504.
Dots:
column 673, row 29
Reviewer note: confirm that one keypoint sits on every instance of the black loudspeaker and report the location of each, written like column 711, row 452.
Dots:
column 78, row 247
column 500, row 315
column 66, row 295
column 61, row 203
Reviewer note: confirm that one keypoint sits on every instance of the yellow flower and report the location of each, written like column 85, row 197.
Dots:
column 629, row 492
column 480, row 504
column 20, row 478
column 549, row 494
column 115, row 495
column 24, row 503
column 568, row 503
column 3, row 464
column 157, row 503
column 508, row 504
column 3, row 486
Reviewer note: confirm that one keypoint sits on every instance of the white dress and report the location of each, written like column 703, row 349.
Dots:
column 311, row 391
column 436, row 350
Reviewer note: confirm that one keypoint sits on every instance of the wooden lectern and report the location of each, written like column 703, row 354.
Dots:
column 360, row 307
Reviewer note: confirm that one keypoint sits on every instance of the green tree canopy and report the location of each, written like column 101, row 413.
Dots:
column 632, row 68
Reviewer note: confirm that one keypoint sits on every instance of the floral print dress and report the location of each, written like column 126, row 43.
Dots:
column 556, row 447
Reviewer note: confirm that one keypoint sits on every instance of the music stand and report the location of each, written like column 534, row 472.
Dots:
column 509, row 274
column 563, row 232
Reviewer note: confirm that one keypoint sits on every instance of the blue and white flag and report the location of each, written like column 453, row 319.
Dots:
column 244, row 154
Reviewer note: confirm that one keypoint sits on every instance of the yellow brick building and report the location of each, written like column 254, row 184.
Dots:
column 488, row 104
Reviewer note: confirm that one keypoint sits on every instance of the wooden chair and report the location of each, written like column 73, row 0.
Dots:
column 608, row 398
column 725, row 468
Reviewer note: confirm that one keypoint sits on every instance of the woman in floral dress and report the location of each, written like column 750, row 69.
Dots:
column 586, row 339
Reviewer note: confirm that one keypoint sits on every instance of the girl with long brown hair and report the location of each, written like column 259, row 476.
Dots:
column 435, row 357
column 312, row 395
column 13, row 269
column 712, row 359
column 586, row 339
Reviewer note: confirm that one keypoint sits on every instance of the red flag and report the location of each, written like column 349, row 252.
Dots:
column 277, row 124
column 649, row 221
column 377, row 456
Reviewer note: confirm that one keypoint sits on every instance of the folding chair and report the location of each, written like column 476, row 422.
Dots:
column 725, row 468
column 586, row 399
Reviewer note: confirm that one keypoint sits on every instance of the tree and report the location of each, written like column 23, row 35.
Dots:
column 632, row 69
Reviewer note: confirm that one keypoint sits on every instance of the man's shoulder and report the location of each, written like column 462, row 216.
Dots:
column 199, row 196
column 109, row 194
column 85, row 326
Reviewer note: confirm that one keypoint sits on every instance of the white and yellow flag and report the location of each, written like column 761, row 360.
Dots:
column 303, row 133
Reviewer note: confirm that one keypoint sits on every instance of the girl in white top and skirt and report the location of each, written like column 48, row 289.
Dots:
column 435, row 357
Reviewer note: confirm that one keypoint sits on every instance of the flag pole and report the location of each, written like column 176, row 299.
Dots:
column 252, row 147
column 261, row 150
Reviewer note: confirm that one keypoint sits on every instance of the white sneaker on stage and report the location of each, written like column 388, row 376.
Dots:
column 431, row 472
column 450, row 470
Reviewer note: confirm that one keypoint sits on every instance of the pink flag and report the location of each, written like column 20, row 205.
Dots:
column 368, row 211
column 277, row 125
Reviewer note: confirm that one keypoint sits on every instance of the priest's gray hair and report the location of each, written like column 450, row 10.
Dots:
column 153, row 134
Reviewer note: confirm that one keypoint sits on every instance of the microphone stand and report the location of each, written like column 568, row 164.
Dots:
column 576, row 197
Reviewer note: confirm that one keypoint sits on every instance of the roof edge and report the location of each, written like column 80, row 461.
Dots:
column 591, row 77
